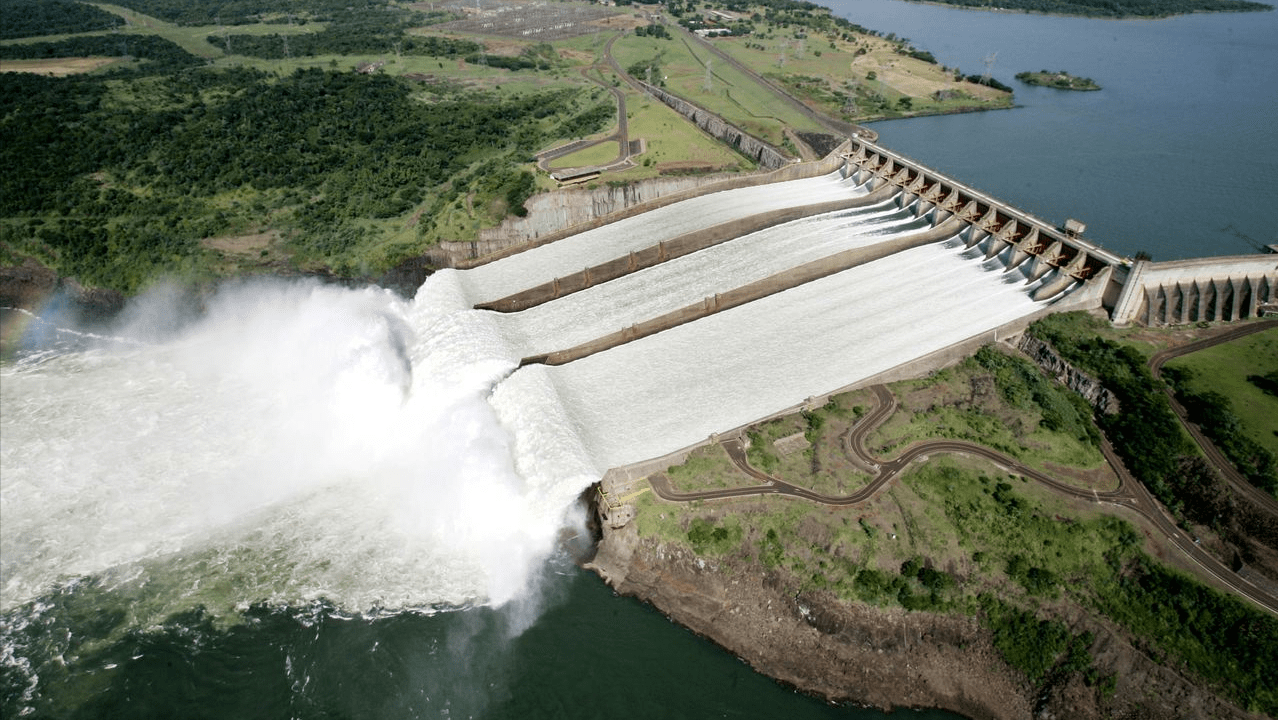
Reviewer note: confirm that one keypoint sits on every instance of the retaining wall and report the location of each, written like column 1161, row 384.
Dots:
column 671, row 249
column 633, row 198
column 745, row 143
column 1201, row 290
column 759, row 289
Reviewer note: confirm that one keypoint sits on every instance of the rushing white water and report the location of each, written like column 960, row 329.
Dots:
column 298, row 442
column 545, row 263
column 601, row 309
column 670, row 390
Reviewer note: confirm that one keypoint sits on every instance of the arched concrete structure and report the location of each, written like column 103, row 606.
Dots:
column 990, row 221
column 1203, row 290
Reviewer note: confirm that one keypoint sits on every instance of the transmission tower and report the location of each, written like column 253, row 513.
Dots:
column 989, row 67
column 226, row 35
column 709, row 84
column 288, row 55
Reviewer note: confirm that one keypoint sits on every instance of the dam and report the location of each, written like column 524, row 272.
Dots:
column 389, row 454
column 758, row 301
column 705, row 315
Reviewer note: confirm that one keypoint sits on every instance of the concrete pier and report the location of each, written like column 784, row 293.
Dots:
column 1217, row 289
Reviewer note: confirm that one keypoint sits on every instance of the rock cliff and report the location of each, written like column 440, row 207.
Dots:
column 885, row 657
column 1073, row 378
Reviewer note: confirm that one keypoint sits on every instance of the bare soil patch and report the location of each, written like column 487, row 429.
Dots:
column 56, row 67
column 253, row 244
column 619, row 22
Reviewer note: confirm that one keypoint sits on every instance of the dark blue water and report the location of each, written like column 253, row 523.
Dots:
column 1175, row 154
column 590, row 654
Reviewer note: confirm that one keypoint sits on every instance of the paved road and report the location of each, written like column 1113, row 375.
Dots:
column 1236, row 480
column 837, row 127
column 1130, row 494
column 622, row 134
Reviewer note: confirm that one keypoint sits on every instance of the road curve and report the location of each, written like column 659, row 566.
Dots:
column 1130, row 494
column 1236, row 480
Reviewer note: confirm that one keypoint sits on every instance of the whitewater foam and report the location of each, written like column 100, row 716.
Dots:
column 299, row 442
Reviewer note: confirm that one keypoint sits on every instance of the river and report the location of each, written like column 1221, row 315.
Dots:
column 1175, row 154
column 1177, row 147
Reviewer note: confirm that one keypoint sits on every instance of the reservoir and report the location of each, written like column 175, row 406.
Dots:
column 1176, row 155
column 1177, row 149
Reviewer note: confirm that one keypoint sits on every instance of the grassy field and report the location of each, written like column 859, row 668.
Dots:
column 823, row 464
column 1225, row 369
column 708, row 468
column 966, row 402
column 863, row 78
column 673, row 144
column 600, row 154
column 733, row 96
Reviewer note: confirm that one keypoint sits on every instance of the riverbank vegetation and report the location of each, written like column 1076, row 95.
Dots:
column 953, row 538
column 1059, row 80
column 33, row 18
column 1110, row 9
column 1225, row 391
column 955, row 535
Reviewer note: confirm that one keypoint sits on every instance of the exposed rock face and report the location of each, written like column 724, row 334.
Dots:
column 554, row 211
column 887, row 657
column 749, row 145
column 841, row 651
column 1073, row 378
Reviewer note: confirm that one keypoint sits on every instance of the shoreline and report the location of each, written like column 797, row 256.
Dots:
column 887, row 658
column 1122, row 18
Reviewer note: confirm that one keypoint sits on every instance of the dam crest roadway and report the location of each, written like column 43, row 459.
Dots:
column 686, row 321
column 804, row 282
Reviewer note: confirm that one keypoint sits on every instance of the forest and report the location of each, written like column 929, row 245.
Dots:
column 117, row 178
column 32, row 18
column 351, row 32
column 242, row 12
column 160, row 55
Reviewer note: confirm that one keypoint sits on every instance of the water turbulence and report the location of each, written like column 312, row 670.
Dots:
column 297, row 443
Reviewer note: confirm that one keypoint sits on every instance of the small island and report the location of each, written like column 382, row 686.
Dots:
column 1060, row 80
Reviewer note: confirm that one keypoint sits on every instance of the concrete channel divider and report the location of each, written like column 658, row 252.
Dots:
column 685, row 244
column 750, row 292
column 835, row 161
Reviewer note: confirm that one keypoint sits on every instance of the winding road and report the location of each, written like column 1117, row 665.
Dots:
column 1236, row 480
column 1130, row 494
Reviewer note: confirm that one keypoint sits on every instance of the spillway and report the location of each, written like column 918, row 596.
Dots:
column 601, row 309
column 542, row 264
column 301, row 442
column 665, row 392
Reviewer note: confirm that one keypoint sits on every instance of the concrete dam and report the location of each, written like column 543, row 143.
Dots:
column 716, row 309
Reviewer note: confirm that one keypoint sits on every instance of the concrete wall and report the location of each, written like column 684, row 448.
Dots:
column 671, row 249
column 780, row 282
column 601, row 206
column 1010, row 332
column 1201, row 290
column 745, row 143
